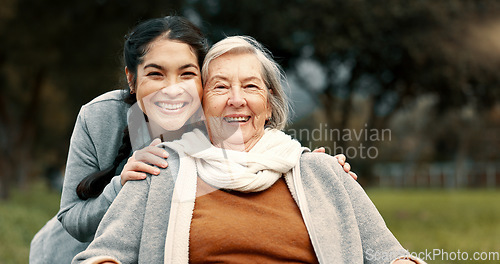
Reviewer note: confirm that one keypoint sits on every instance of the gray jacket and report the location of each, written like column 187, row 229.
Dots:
column 343, row 223
column 94, row 144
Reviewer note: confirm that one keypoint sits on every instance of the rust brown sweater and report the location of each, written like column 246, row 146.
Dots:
column 261, row 227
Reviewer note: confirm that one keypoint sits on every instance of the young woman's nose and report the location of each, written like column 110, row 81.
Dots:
column 173, row 90
column 236, row 97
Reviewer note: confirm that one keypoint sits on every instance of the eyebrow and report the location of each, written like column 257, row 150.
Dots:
column 189, row 65
column 153, row 65
column 217, row 76
column 159, row 67
column 253, row 78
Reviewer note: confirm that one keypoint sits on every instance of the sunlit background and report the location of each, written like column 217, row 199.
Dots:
column 408, row 90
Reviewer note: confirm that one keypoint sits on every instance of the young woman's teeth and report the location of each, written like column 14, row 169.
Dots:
column 236, row 119
column 170, row 106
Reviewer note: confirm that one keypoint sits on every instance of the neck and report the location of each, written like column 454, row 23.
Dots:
column 230, row 146
column 173, row 135
column 157, row 131
column 237, row 146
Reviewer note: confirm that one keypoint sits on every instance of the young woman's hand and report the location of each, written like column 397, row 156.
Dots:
column 144, row 161
column 341, row 159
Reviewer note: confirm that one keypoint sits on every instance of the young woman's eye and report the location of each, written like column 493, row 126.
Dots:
column 188, row 74
column 153, row 74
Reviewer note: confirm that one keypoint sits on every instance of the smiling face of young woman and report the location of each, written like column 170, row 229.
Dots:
column 169, row 85
column 235, row 101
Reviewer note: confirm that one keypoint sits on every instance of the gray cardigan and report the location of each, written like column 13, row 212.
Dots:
column 343, row 223
column 94, row 144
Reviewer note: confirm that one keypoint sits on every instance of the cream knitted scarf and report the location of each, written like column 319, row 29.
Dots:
column 275, row 154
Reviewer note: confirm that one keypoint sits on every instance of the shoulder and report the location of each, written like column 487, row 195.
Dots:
column 322, row 166
column 106, row 107
column 319, row 161
column 105, row 117
column 323, row 177
column 115, row 96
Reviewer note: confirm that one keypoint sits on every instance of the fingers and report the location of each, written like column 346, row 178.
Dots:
column 319, row 150
column 341, row 158
column 132, row 176
column 347, row 167
column 141, row 167
column 136, row 170
column 160, row 152
column 145, row 161
column 155, row 142
column 152, row 155
column 353, row 175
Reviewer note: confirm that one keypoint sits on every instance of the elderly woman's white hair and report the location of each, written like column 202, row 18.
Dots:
column 271, row 73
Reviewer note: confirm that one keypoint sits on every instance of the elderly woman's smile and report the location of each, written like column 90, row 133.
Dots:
column 236, row 118
column 236, row 101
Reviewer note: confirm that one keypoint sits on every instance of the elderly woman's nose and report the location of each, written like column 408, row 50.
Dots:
column 236, row 98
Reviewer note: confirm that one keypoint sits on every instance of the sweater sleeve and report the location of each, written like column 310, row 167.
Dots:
column 88, row 153
column 354, row 217
column 378, row 243
column 135, row 227
column 118, row 236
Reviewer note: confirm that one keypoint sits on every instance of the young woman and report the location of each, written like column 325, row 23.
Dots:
column 101, row 132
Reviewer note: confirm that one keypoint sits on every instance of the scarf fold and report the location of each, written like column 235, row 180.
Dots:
column 274, row 155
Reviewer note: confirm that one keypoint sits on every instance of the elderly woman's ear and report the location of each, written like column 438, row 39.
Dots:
column 269, row 114
column 269, row 108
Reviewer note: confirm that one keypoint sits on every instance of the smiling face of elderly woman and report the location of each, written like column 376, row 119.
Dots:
column 236, row 101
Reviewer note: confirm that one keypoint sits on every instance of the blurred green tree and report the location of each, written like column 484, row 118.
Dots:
column 391, row 53
column 57, row 55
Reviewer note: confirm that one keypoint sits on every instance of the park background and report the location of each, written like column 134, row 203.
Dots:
column 424, row 72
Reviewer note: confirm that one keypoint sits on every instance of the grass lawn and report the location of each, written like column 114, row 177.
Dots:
column 21, row 217
column 443, row 221
column 452, row 221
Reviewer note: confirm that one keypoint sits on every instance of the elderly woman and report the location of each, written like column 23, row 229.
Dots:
column 248, row 193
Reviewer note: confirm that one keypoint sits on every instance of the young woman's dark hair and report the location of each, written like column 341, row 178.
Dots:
column 136, row 46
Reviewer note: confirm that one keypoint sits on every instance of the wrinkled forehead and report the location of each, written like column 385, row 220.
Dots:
column 208, row 68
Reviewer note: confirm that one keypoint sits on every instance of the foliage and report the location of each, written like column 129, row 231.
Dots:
column 403, row 47
column 374, row 61
column 54, row 57
column 57, row 55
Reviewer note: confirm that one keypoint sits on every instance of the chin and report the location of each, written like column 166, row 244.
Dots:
column 169, row 124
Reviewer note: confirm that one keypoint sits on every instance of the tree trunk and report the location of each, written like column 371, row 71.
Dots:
column 17, row 142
